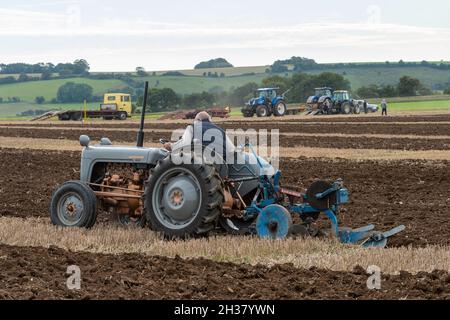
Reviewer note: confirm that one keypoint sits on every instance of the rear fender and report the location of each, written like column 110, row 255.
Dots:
column 322, row 99
column 312, row 99
column 277, row 100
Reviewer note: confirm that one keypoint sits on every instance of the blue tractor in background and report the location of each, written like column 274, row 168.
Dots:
column 266, row 103
column 328, row 101
column 322, row 97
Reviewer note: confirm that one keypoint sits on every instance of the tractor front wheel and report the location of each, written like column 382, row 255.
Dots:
column 73, row 204
column 248, row 114
column 262, row 111
column 183, row 200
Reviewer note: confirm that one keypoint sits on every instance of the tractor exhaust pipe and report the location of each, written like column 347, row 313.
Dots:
column 140, row 135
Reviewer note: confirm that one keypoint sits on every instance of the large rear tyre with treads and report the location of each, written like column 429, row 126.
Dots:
column 346, row 108
column 280, row 109
column 73, row 204
column 183, row 200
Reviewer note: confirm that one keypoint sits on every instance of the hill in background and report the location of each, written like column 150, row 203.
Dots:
column 184, row 82
column 214, row 63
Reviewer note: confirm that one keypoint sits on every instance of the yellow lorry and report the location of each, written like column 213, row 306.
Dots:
column 115, row 106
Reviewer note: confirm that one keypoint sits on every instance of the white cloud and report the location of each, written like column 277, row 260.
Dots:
column 24, row 23
column 65, row 35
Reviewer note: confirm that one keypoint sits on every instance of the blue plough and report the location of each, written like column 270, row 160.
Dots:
column 275, row 208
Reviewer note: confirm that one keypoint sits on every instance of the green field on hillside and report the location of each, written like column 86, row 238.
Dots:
column 191, row 84
column 358, row 77
column 420, row 106
column 443, row 97
column 365, row 76
column 193, row 81
column 28, row 91
column 9, row 111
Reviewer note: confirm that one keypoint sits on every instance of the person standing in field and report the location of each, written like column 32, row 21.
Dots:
column 365, row 106
column 384, row 107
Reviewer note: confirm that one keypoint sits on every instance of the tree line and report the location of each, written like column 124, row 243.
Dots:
column 214, row 63
column 78, row 67
column 46, row 71
column 297, row 88
column 299, row 64
column 406, row 87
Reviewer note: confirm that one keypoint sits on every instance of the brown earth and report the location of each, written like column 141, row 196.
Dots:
column 416, row 128
column 385, row 128
column 39, row 273
column 157, row 124
column 414, row 193
column 285, row 141
column 418, row 124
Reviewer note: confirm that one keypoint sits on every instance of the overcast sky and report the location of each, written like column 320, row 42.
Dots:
column 176, row 34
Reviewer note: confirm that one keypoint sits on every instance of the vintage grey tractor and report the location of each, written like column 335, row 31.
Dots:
column 180, row 199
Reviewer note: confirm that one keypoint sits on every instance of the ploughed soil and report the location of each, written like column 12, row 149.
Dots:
column 414, row 193
column 316, row 141
column 417, row 125
column 170, row 124
column 39, row 273
column 425, row 129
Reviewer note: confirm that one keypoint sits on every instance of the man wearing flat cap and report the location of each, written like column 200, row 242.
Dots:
column 208, row 133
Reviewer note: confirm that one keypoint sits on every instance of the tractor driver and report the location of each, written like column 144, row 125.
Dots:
column 209, row 134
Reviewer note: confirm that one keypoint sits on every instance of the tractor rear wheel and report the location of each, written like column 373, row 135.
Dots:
column 73, row 204
column 262, row 111
column 346, row 108
column 280, row 109
column 183, row 200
